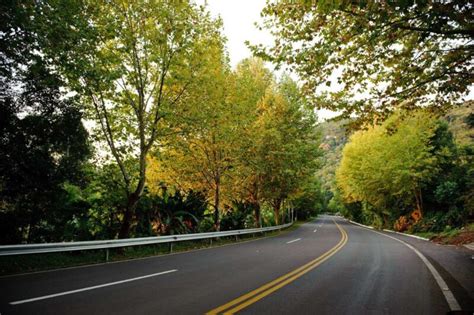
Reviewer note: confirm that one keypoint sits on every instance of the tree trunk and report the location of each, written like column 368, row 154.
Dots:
column 133, row 199
column 128, row 215
column 419, row 200
column 386, row 220
column 253, row 197
column 276, row 211
column 216, row 206
column 257, row 214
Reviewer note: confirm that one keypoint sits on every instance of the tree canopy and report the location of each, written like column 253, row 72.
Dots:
column 125, row 118
column 133, row 65
column 375, row 55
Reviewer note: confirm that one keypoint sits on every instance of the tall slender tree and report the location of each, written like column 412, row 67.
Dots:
column 199, row 154
column 133, row 64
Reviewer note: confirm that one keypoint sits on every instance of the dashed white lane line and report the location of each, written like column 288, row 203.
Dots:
column 296, row 240
column 315, row 230
column 90, row 288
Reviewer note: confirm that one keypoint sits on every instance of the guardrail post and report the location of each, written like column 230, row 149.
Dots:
column 106, row 255
column 210, row 241
column 171, row 247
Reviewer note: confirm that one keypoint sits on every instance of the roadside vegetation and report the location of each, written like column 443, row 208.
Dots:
column 124, row 118
column 400, row 155
column 426, row 182
column 10, row 265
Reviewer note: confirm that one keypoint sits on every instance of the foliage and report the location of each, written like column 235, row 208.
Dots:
column 289, row 143
column 239, row 218
column 124, row 118
column 368, row 58
column 409, row 162
column 461, row 123
column 251, row 80
column 334, row 137
column 43, row 144
column 251, row 145
column 173, row 213
column 38, row 154
column 391, row 161
column 199, row 154
column 309, row 201
column 440, row 221
column 132, row 64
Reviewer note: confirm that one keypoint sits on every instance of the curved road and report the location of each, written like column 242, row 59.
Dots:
column 328, row 266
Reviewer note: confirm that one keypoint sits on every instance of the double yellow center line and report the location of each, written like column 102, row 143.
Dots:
column 250, row 298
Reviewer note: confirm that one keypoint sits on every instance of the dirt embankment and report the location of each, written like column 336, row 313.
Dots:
column 463, row 237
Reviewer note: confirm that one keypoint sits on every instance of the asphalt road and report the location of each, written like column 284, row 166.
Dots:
column 328, row 266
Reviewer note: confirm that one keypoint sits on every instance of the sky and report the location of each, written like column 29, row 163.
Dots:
column 239, row 17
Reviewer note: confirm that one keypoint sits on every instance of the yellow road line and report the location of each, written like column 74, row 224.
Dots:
column 259, row 293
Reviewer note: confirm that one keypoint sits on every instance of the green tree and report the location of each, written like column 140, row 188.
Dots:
column 133, row 64
column 43, row 143
column 399, row 54
column 390, row 163
column 288, row 143
column 251, row 81
column 199, row 154
column 309, row 199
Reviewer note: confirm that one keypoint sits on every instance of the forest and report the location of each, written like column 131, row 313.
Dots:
column 125, row 119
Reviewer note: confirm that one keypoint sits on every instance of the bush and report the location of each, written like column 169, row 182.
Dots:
column 440, row 221
column 206, row 224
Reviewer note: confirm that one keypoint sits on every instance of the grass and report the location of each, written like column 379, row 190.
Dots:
column 427, row 235
column 38, row 262
column 448, row 234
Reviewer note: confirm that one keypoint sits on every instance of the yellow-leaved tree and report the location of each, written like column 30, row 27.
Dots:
column 198, row 154
column 390, row 163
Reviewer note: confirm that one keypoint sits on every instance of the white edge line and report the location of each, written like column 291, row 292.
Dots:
column 448, row 294
column 387, row 230
column 296, row 240
column 362, row 225
column 90, row 288
column 409, row 235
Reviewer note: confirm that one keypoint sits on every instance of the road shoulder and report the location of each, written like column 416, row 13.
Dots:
column 454, row 264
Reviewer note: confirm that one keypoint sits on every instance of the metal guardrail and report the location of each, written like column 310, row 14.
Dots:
column 23, row 249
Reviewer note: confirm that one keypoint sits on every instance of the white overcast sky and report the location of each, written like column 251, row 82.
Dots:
column 239, row 17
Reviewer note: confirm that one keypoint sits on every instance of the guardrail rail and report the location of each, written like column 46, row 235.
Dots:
column 24, row 249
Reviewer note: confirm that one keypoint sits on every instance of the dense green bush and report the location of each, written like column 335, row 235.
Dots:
column 440, row 221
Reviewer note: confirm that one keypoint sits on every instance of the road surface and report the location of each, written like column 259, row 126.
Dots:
column 328, row 266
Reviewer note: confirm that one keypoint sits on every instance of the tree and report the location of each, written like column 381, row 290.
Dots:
column 392, row 163
column 251, row 81
column 199, row 154
column 278, row 142
column 309, row 199
column 288, row 143
column 43, row 143
column 384, row 55
column 133, row 64
column 38, row 156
